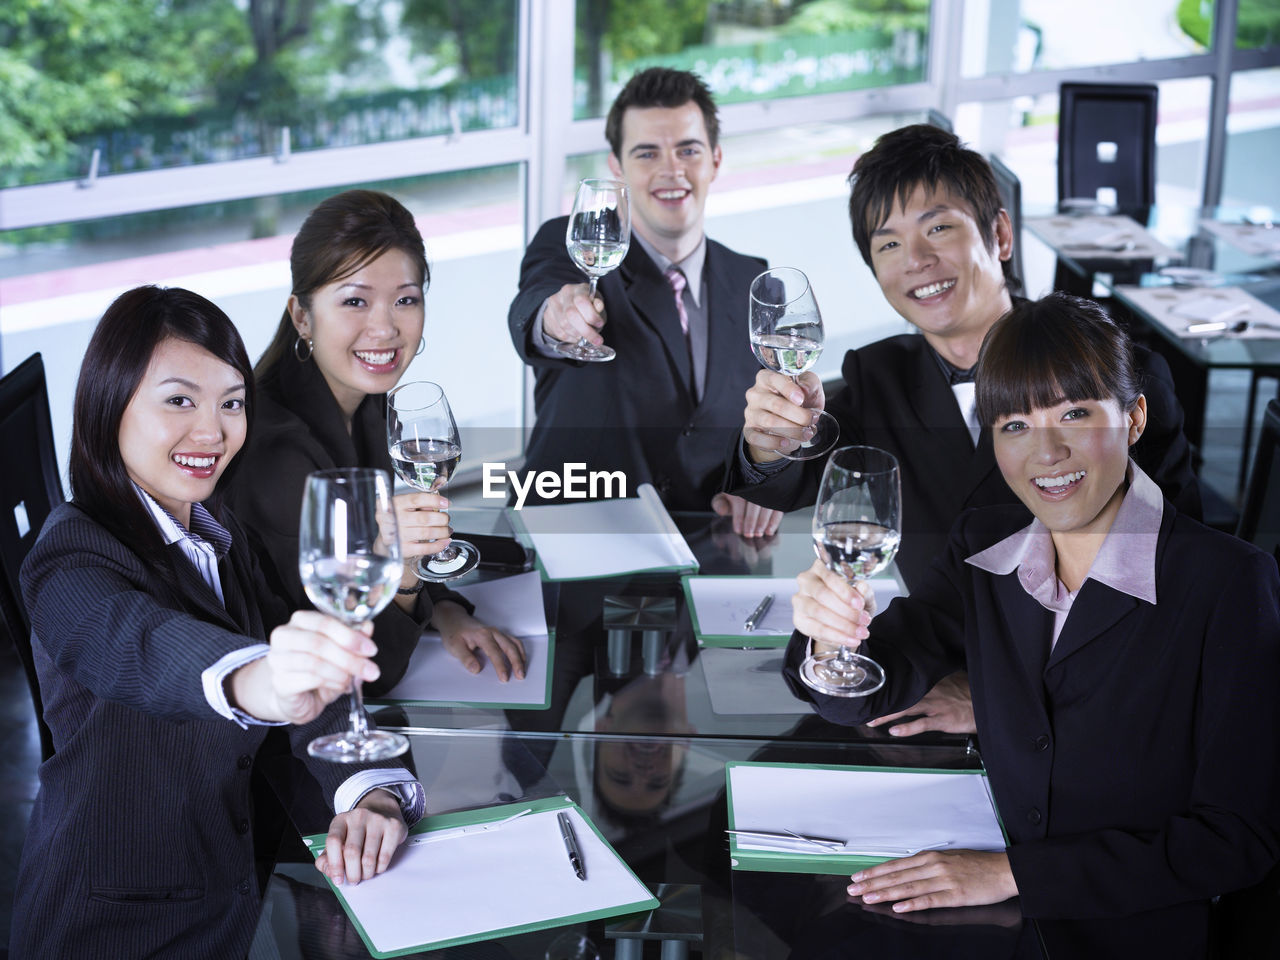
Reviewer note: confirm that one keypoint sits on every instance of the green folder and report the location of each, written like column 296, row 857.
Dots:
column 790, row 861
column 741, row 641
column 390, row 917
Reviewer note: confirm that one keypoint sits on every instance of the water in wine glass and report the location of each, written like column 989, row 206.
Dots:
column 595, row 258
column 425, row 448
column 426, row 464
column 787, row 336
column 353, row 589
column 856, row 550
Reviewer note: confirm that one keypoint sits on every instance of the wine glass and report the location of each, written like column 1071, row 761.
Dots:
column 349, row 558
column 597, row 237
column 425, row 450
column 857, row 524
column 787, row 336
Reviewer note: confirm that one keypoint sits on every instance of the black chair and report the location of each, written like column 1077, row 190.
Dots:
column 1010, row 188
column 1260, row 515
column 1107, row 139
column 936, row 118
column 27, row 495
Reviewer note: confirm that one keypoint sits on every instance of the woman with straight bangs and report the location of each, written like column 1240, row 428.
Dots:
column 149, row 622
column 351, row 326
column 1122, row 657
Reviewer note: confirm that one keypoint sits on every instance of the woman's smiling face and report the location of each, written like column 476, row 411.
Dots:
column 1067, row 461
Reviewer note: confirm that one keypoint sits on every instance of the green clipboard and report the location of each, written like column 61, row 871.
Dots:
column 786, row 861
column 741, row 641
column 409, row 902
column 482, row 704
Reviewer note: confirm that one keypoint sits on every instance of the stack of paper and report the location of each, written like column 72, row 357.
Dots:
column 469, row 876
column 512, row 605
column 604, row 538
column 802, row 818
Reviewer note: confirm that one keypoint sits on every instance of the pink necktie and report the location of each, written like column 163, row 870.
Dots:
column 678, row 283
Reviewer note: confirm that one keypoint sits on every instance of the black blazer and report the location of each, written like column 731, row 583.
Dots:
column 896, row 398
column 637, row 414
column 298, row 428
column 1139, row 767
column 140, row 841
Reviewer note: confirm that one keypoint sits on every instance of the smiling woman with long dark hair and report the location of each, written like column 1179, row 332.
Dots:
column 149, row 623
column 1122, row 657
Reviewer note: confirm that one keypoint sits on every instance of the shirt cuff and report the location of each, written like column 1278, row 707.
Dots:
column 396, row 780
column 758, row 472
column 538, row 338
column 214, row 679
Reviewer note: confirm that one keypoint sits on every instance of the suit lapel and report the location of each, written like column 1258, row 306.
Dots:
column 726, row 322
column 1029, row 626
column 982, row 463
column 194, row 593
column 654, row 303
column 1097, row 608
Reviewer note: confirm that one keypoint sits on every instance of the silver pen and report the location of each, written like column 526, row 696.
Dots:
column 571, row 846
column 758, row 613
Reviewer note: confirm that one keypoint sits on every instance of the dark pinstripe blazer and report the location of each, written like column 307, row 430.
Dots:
column 140, row 842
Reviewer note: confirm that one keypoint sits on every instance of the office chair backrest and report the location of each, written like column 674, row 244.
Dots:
column 1107, row 142
column 936, row 118
column 1010, row 188
column 27, row 494
column 1260, row 516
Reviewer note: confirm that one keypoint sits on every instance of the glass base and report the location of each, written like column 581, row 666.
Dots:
column 586, row 352
column 346, row 748
column 826, row 433
column 850, row 676
column 439, row 570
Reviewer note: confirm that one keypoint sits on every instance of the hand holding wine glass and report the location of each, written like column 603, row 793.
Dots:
column 857, row 525
column 425, row 449
column 787, row 336
column 597, row 238
column 349, row 559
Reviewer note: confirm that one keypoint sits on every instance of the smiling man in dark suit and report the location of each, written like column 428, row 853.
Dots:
column 676, row 309
column 927, row 220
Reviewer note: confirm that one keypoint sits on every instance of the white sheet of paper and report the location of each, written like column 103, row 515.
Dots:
column 512, row 604
column 723, row 603
column 874, row 808
column 485, row 882
column 1079, row 236
column 605, row 538
column 1252, row 238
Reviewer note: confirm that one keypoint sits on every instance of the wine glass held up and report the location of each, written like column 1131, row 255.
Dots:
column 857, row 525
column 349, row 559
column 598, row 236
column 787, row 336
column 425, row 449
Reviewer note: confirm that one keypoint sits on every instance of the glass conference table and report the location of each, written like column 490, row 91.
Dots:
column 634, row 734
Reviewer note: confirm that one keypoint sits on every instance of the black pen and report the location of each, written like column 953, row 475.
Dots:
column 758, row 613
column 571, row 846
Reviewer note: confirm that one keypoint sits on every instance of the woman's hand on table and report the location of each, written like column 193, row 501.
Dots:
column 937, row 878
column 464, row 637
column 423, row 521
column 948, row 708
column 831, row 611
column 312, row 661
column 362, row 841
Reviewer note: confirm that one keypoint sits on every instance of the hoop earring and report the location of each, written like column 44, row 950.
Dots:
column 302, row 349
column 422, row 345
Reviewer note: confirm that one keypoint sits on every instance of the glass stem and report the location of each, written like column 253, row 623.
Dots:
column 449, row 552
column 359, row 720
column 591, row 295
column 845, row 654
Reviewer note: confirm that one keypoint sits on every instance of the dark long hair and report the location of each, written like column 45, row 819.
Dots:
column 344, row 233
column 114, row 364
column 1043, row 352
